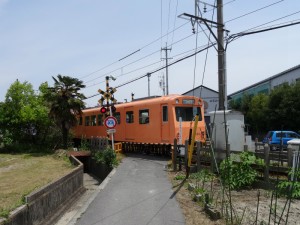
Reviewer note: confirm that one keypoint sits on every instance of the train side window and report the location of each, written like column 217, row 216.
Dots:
column 93, row 120
column 144, row 116
column 80, row 121
column 117, row 115
column 87, row 120
column 100, row 120
column 129, row 117
column 165, row 113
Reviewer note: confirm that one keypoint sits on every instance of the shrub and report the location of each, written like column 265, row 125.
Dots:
column 107, row 156
column 236, row 171
column 290, row 188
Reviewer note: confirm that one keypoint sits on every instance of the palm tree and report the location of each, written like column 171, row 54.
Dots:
column 66, row 103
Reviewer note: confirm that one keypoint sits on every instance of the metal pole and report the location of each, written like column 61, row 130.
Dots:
column 167, row 71
column 221, row 57
column 149, row 75
column 112, row 134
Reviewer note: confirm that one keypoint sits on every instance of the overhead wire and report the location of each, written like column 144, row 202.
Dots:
column 253, row 29
column 143, row 47
column 206, row 55
column 174, row 24
column 254, row 11
column 160, row 38
column 175, row 56
column 161, row 68
column 172, row 63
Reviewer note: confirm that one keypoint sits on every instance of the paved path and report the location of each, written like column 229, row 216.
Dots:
column 139, row 193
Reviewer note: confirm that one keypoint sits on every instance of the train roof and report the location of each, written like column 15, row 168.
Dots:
column 147, row 100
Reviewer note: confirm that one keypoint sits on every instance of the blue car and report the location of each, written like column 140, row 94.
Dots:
column 275, row 137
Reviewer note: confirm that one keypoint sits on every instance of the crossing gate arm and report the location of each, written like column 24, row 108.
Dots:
column 118, row 147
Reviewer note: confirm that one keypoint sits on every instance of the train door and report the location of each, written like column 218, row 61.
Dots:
column 129, row 124
column 165, row 124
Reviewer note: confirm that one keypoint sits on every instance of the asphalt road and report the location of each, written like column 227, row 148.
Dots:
column 139, row 193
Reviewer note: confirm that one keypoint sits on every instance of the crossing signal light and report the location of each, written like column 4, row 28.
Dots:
column 103, row 110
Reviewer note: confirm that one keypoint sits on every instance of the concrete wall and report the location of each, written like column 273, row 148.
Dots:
column 44, row 205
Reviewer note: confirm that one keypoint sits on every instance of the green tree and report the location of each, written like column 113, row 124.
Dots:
column 284, row 107
column 257, row 113
column 65, row 103
column 22, row 114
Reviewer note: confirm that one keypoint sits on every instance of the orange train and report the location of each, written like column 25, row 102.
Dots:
column 149, row 121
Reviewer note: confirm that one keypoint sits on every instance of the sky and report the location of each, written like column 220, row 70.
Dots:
column 92, row 39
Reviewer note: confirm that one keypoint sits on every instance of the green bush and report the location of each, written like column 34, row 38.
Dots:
column 290, row 188
column 107, row 156
column 236, row 171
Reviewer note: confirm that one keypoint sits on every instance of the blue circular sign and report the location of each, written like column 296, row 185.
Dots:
column 110, row 122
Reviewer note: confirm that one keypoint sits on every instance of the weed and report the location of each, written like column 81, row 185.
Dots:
column 4, row 213
column 236, row 171
column 179, row 177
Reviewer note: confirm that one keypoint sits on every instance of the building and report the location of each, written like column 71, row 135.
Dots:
column 289, row 76
column 210, row 98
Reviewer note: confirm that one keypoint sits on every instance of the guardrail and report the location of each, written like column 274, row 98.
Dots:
column 274, row 161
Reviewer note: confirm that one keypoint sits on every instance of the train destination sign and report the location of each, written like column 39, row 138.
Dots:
column 110, row 122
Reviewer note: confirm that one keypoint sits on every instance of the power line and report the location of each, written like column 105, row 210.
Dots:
column 170, row 64
column 232, row 37
column 143, row 47
column 182, row 39
column 249, row 13
column 161, row 68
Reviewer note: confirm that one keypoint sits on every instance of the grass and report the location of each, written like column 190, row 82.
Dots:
column 20, row 174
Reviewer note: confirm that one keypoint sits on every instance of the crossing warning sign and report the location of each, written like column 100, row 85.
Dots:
column 110, row 122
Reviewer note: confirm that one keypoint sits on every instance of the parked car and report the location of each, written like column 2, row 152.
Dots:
column 275, row 137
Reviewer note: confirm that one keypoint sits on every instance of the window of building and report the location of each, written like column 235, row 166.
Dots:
column 80, row 121
column 144, row 116
column 165, row 113
column 129, row 117
column 87, row 120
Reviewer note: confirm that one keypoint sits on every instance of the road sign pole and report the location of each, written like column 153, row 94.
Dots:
column 112, row 134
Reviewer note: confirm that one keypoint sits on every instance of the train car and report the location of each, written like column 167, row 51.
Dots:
column 149, row 121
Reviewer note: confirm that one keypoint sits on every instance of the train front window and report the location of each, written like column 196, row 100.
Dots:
column 187, row 113
column 165, row 113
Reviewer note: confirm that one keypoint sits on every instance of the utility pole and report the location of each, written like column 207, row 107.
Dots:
column 166, row 49
column 220, row 41
column 221, row 58
column 148, row 75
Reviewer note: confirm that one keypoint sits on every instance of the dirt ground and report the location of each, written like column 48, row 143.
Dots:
column 244, row 203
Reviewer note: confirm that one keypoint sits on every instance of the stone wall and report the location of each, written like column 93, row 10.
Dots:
column 45, row 205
